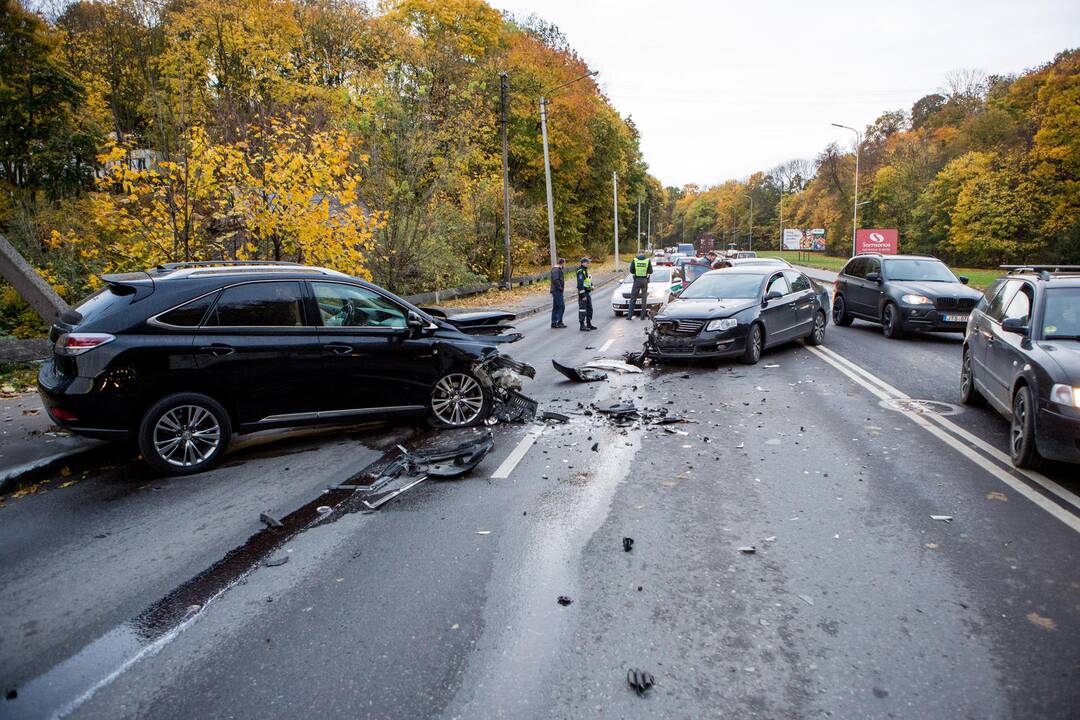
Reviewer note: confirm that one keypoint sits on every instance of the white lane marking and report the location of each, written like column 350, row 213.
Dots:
column 1034, row 476
column 1034, row 496
column 515, row 456
column 607, row 344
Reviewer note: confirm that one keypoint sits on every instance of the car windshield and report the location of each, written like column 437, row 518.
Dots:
column 1061, row 318
column 661, row 274
column 925, row 270
column 694, row 271
column 725, row 285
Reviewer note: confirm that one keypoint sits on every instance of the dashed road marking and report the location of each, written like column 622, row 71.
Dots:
column 507, row 466
column 608, row 343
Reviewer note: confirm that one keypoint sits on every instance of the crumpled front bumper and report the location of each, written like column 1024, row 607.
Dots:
column 702, row 345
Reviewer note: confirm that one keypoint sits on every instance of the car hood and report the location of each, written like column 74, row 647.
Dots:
column 1066, row 353
column 705, row 308
column 936, row 289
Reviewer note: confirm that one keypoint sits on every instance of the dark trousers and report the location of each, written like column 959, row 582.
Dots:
column 584, row 308
column 558, row 305
column 640, row 290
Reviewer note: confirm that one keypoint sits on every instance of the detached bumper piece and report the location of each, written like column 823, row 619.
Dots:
column 506, row 376
column 413, row 468
column 579, row 374
column 515, row 407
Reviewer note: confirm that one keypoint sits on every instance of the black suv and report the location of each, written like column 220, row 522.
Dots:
column 903, row 293
column 185, row 355
column 1022, row 354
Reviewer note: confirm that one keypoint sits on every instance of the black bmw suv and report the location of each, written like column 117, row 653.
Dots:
column 903, row 293
column 1022, row 355
column 186, row 355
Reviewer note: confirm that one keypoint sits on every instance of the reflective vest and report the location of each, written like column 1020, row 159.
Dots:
column 641, row 267
column 586, row 279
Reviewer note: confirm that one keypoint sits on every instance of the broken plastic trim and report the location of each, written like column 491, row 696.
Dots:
column 504, row 377
column 579, row 374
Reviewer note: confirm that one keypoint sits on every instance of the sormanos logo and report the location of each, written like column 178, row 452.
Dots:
column 876, row 237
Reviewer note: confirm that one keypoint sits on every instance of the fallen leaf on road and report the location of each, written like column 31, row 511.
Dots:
column 995, row 495
column 30, row 412
column 69, row 483
column 1044, row 622
column 66, row 471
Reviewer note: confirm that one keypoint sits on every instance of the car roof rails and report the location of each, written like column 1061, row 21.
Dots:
column 217, row 263
column 1042, row 270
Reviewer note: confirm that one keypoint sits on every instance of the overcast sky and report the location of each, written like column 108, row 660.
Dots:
column 721, row 89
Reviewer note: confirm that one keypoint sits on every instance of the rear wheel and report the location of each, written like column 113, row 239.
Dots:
column 1022, row 448
column 839, row 312
column 892, row 325
column 458, row 399
column 817, row 333
column 618, row 313
column 969, row 394
column 754, row 343
column 184, row 434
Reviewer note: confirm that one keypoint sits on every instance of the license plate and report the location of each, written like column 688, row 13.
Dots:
column 956, row 318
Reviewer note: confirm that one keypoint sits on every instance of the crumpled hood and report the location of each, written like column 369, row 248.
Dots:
column 705, row 308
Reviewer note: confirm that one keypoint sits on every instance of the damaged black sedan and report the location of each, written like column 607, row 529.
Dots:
column 184, row 356
column 738, row 312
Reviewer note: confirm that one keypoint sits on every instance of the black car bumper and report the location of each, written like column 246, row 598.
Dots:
column 703, row 345
column 931, row 320
column 1057, row 435
column 72, row 404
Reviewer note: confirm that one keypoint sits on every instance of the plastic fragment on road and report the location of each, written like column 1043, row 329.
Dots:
column 627, row 544
column 483, row 532
column 270, row 520
column 413, row 468
column 942, row 518
column 275, row 562
column 581, row 374
column 324, row 510
column 614, row 365
column 770, row 367
column 557, row 417
column 748, row 550
column 596, row 447
column 564, row 601
column 516, row 407
column 806, row 599
column 640, row 680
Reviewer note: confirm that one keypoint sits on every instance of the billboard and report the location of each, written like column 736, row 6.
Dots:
column 876, row 240
column 805, row 240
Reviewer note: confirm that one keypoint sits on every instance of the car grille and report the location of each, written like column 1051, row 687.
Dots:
column 680, row 327
column 947, row 303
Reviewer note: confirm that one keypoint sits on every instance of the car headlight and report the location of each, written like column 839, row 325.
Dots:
column 916, row 300
column 721, row 324
column 1065, row 395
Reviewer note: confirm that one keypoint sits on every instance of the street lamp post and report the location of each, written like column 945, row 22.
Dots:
column 855, row 209
column 751, row 239
column 615, row 207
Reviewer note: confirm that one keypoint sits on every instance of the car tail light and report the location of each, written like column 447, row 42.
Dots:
column 69, row 344
column 62, row 415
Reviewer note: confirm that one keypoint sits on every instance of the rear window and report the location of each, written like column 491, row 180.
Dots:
column 97, row 304
column 189, row 314
column 264, row 304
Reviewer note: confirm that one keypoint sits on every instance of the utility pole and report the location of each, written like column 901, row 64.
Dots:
column 504, row 88
column 30, row 286
column 734, row 239
column 547, row 180
column 855, row 211
column 781, row 217
column 639, row 226
column 751, row 234
column 615, row 204
column 648, row 232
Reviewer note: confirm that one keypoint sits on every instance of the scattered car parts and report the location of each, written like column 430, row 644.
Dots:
column 579, row 374
column 640, row 680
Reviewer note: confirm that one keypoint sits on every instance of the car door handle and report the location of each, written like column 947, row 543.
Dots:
column 339, row 348
column 218, row 350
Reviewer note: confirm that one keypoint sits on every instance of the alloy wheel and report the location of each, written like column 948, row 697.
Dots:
column 965, row 374
column 819, row 328
column 186, row 435
column 838, row 310
column 1019, row 420
column 457, row 399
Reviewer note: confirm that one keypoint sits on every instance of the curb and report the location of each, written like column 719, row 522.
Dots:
column 26, row 474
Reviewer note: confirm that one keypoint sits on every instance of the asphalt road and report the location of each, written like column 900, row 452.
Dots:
column 126, row 595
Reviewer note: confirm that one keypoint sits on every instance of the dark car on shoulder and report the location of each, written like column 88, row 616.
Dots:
column 739, row 312
column 904, row 293
column 184, row 356
column 1022, row 356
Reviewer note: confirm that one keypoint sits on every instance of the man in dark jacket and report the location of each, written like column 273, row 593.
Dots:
column 640, row 270
column 584, row 296
column 558, row 305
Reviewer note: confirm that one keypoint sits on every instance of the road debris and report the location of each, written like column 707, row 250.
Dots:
column 942, row 518
column 748, row 550
column 596, row 447
column 581, row 374
column 414, row 467
column 640, row 680
column 270, row 520
column 1044, row 622
column 564, row 601
column 806, row 599
column 275, row 562
column 324, row 509
column 627, row 544
column 557, row 417
column 483, row 532
column 613, row 365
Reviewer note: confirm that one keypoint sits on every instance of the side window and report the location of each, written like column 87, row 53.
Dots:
column 1020, row 305
column 260, row 304
column 989, row 293
column 354, row 306
column 872, row 265
column 190, row 314
column 996, row 310
column 777, row 284
column 854, row 268
column 797, row 280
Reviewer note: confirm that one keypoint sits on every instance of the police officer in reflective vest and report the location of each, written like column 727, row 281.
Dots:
column 584, row 296
column 640, row 269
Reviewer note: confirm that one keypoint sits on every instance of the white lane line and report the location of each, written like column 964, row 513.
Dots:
column 515, row 456
column 608, row 343
column 1033, row 475
column 1023, row 489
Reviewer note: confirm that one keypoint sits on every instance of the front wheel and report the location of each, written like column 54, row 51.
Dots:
column 618, row 313
column 185, row 433
column 754, row 343
column 892, row 326
column 1022, row 448
column 817, row 333
column 840, row 315
column 458, row 399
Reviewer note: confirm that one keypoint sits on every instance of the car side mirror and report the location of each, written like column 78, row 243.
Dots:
column 1015, row 325
column 771, row 295
column 415, row 323
column 963, row 279
column 874, row 277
